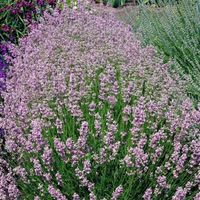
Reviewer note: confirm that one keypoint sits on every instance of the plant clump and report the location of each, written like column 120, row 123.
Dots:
column 174, row 30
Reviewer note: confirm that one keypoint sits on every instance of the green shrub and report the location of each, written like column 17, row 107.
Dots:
column 174, row 29
column 116, row 3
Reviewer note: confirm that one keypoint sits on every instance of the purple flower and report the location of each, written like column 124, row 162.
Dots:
column 14, row 11
column 139, row 113
column 37, row 167
column 117, row 193
column 179, row 194
column 47, row 155
column 75, row 196
column 56, row 193
column 162, row 182
column 59, row 178
column 148, row 193
column 5, row 28
column 92, row 196
column 40, row 2
column 2, row 132
column 60, row 147
column 197, row 197
column 3, row 49
column 2, row 75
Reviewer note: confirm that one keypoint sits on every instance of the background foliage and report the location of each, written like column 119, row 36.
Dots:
column 174, row 29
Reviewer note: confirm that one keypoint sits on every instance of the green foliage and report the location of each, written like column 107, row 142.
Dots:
column 175, row 29
column 116, row 3
column 158, row 2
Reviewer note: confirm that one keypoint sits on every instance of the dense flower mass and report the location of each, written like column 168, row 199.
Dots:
column 16, row 17
column 89, row 114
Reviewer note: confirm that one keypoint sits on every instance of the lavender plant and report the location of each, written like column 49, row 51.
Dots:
column 89, row 116
column 174, row 31
column 15, row 19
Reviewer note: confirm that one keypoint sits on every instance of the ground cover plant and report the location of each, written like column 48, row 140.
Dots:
column 90, row 114
column 174, row 30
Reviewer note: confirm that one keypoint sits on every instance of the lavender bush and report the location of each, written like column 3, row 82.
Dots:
column 89, row 114
column 15, row 19
column 174, row 30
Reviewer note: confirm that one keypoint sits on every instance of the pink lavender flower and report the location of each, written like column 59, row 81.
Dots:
column 117, row 193
column 37, row 135
column 47, row 155
column 197, row 196
column 59, row 178
column 162, row 182
column 148, row 193
column 13, row 191
column 127, row 161
column 20, row 171
column 56, row 193
column 69, row 144
column 75, row 196
column 8, row 187
column 139, row 114
column 92, row 106
column 87, row 166
column 127, row 111
column 157, row 137
column 36, row 198
column 37, row 167
column 179, row 194
column 59, row 125
column 195, row 147
column 128, row 91
column 92, row 196
column 47, row 177
column 60, row 147
column 141, row 158
column 112, row 100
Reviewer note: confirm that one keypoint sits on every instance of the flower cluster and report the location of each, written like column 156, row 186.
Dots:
column 3, row 66
column 90, row 114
